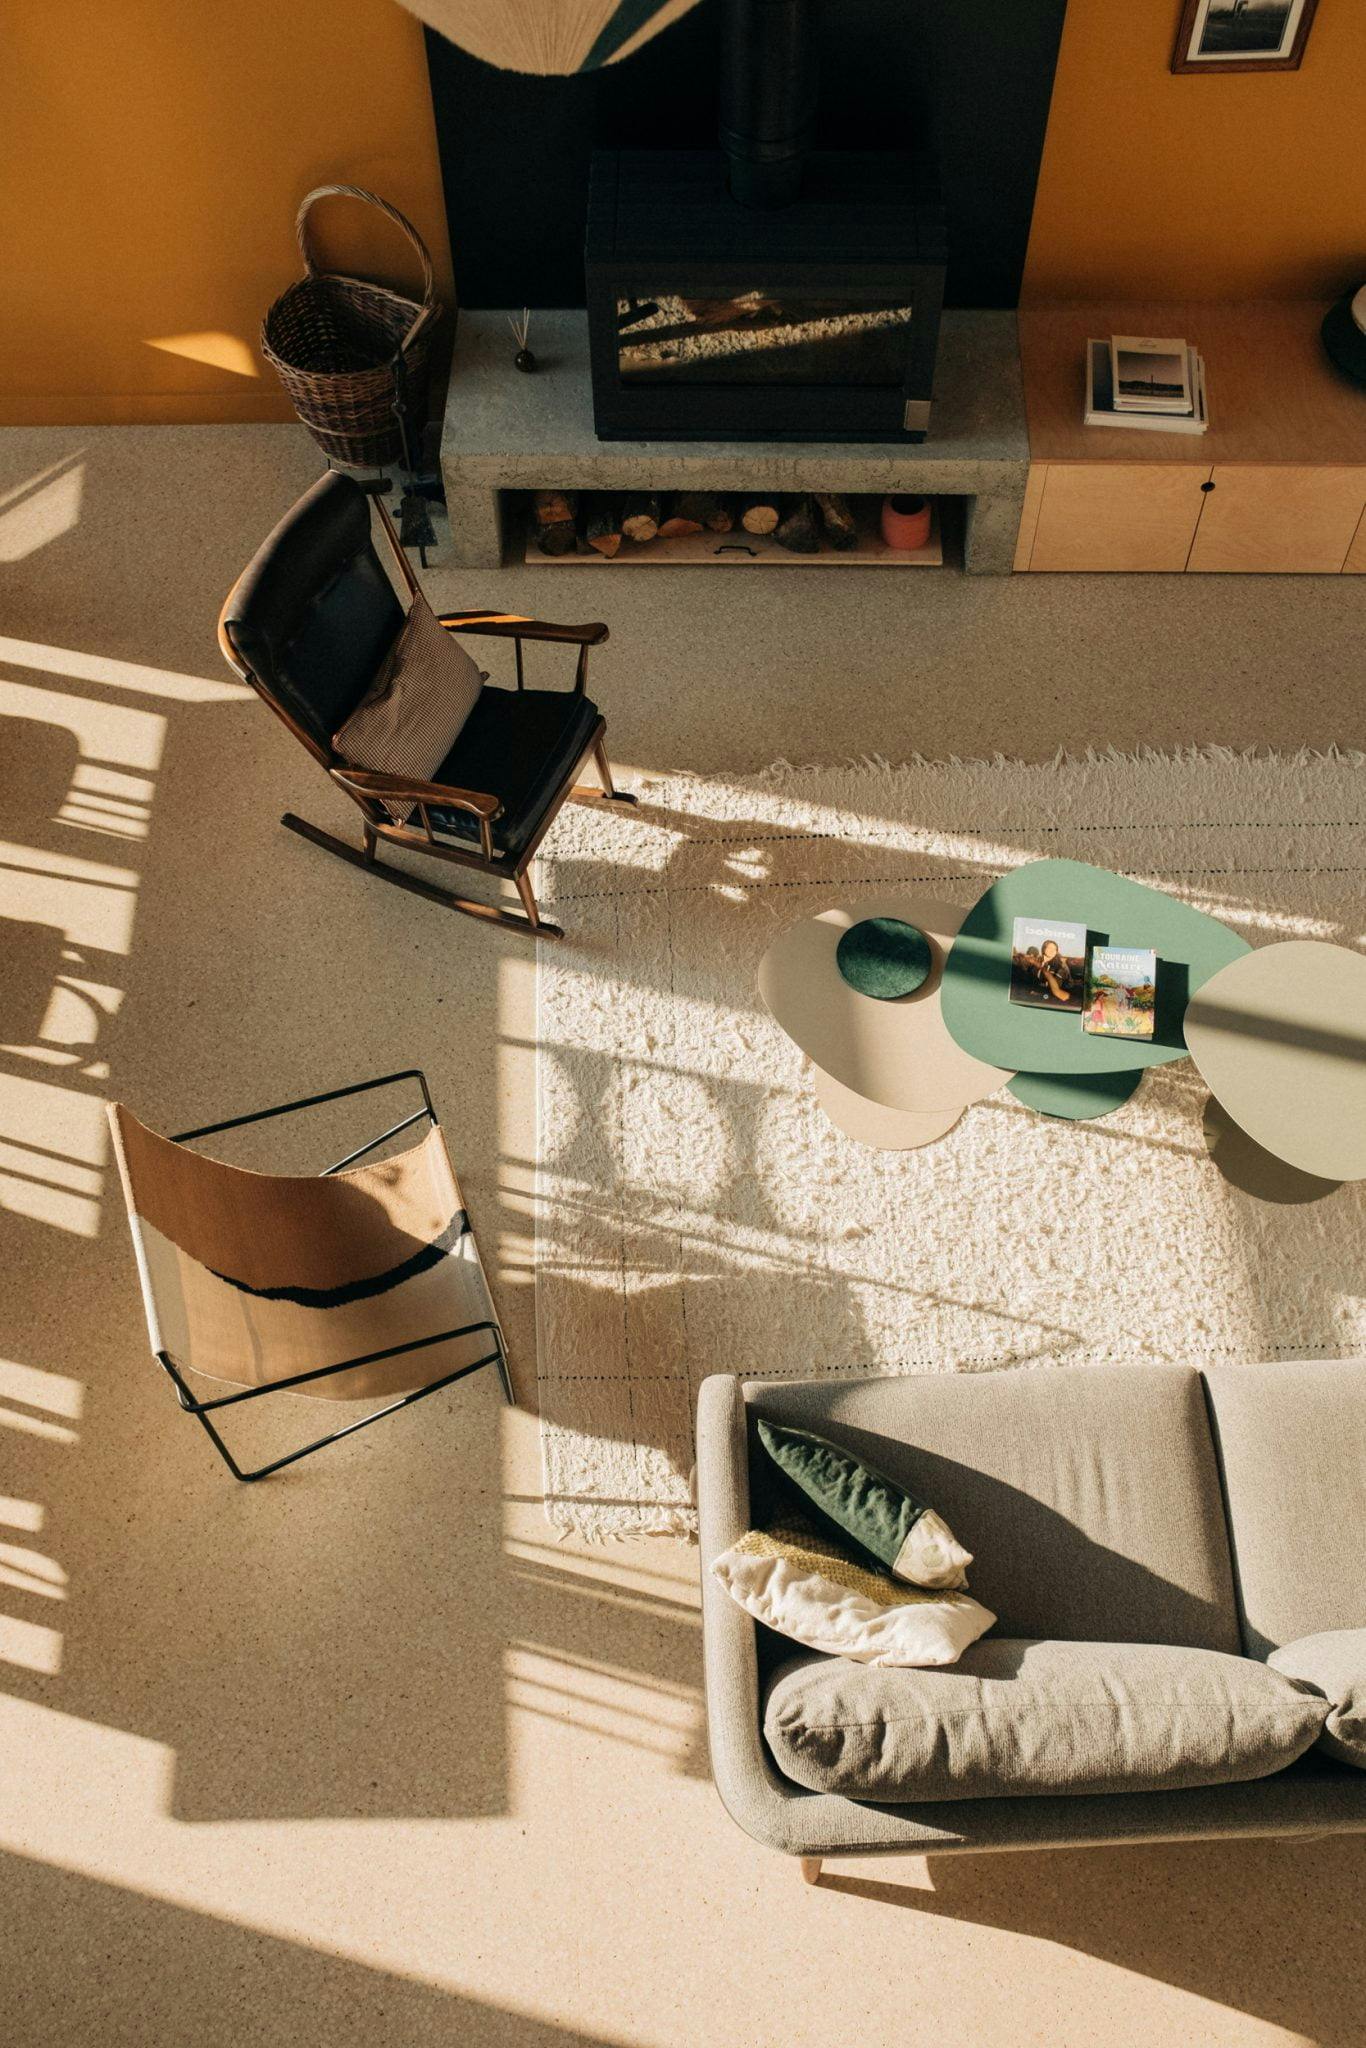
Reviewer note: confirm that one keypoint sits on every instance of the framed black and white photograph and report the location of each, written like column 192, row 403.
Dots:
column 1242, row 35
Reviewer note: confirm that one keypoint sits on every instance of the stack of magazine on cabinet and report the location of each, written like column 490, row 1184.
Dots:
column 1158, row 386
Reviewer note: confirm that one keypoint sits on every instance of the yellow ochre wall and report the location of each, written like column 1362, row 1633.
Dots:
column 155, row 153
column 1218, row 186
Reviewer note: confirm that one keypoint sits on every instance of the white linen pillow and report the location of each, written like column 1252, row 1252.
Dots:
column 790, row 1579
column 416, row 708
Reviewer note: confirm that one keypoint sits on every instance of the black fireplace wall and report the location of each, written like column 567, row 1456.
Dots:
column 968, row 79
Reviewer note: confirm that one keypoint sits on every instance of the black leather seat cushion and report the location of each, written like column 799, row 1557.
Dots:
column 520, row 746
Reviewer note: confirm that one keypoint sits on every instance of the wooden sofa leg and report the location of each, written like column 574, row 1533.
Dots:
column 811, row 1869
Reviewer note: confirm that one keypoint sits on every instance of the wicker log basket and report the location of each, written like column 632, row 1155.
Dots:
column 353, row 355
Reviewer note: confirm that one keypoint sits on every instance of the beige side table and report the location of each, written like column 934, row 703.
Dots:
column 888, row 1073
column 1279, row 1038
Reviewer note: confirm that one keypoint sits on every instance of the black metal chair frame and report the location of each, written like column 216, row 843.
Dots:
column 369, row 790
column 204, row 1409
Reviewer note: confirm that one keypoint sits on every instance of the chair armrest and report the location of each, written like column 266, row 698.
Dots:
column 511, row 626
column 369, row 783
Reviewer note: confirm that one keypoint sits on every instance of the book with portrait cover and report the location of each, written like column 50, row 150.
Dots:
column 1121, row 992
column 1047, row 964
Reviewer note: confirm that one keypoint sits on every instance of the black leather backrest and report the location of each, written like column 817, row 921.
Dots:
column 314, row 614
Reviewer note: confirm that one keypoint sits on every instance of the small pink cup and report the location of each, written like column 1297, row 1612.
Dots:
column 906, row 523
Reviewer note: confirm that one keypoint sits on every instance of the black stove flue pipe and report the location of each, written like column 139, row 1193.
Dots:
column 768, row 97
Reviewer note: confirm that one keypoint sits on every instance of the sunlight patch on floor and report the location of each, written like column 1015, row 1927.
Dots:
column 62, row 1186
column 30, row 1645
column 120, row 675
column 600, row 1700
column 34, row 513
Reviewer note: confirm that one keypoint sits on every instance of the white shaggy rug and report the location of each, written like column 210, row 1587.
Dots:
column 697, row 1213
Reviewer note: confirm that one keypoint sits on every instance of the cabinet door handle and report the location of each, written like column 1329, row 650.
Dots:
column 1209, row 486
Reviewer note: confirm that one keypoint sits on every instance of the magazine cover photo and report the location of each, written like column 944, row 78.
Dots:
column 1048, row 964
column 1121, row 992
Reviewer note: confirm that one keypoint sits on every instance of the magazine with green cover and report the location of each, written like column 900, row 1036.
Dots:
column 1121, row 992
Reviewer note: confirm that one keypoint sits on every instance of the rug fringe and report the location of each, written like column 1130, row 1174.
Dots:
column 594, row 1522
column 1107, row 757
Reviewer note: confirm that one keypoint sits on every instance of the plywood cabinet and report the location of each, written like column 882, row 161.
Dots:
column 1278, row 518
column 1355, row 565
column 1232, row 518
column 1283, row 462
column 1117, row 515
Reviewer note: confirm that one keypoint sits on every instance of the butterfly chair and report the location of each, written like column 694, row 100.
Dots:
column 363, row 1281
column 309, row 625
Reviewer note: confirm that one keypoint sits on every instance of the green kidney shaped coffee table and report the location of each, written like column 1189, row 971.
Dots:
column 1060, row 1068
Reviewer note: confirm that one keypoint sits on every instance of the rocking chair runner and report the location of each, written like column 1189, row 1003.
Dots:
column 309, row 623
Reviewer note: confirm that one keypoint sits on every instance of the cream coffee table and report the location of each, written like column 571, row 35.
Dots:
column 1279, row 1038
column 888, row 1073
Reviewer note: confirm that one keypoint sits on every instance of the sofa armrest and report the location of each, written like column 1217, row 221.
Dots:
column 756, row 1797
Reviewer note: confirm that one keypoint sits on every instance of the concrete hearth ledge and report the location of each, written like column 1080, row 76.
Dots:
column 505, row 431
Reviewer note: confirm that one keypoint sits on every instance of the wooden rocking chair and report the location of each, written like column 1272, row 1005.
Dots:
column 308, row 624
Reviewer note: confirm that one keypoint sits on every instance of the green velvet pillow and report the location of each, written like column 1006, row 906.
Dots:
column 888, row 1524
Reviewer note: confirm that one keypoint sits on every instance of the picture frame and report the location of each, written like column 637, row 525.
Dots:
column 1242, row 35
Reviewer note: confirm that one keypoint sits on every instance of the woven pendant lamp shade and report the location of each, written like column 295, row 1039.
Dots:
column 551, row 37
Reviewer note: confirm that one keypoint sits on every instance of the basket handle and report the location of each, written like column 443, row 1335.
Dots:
column 429, row 303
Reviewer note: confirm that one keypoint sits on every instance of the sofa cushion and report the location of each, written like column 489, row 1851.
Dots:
column 798, row 1583
column 866, row 1508
column 1292, row 1442
column 1334, row 1663
column 1089, row 1494
column 1015, row 1717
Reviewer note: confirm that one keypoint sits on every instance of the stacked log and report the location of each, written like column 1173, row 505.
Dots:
column 640, row 516
column 797, row 530
column 837, row 521
column 759, row 514
column 678, row 522
column 554, row 513
column 705, row 511
column 803, row 523
column 602, row 526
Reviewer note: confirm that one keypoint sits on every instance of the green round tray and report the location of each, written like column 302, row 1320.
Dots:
column 884, row 957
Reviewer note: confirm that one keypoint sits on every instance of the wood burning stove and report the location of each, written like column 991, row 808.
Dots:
column 763, row 293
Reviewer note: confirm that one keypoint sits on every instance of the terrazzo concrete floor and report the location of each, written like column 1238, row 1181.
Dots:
column 363, row 1755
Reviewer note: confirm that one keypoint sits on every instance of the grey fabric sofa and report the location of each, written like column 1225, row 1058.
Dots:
column 1225, row 1511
